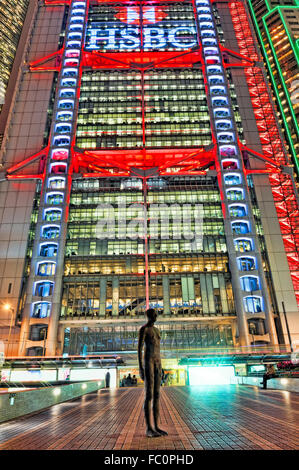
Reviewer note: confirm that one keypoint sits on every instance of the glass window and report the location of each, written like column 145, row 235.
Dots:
column 46, row 269
column 41, row 309
column 44, row 289
column 235, row 194
column 240, row 227
column 48, row 249
column 246, row 264
column 50, row 232
column 237, row 211
column 249, row 283
column 56, row 183
column 253, row 304
column 243, row 245
column 54, row 198
column 232, row 179
column 52, row 215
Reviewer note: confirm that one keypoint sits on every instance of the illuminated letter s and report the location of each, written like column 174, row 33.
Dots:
column 131, row 40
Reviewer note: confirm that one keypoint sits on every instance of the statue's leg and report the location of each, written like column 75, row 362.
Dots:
column 156, row 398
column 149, row 386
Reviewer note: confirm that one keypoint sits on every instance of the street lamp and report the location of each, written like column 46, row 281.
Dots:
column 8, row 307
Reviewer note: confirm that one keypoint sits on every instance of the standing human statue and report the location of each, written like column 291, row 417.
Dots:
column 150, row 371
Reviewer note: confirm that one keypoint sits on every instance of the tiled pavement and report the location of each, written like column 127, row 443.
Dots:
column 228, row 417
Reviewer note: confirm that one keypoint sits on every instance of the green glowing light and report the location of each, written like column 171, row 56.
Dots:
column 293, row 151
column 280, row 9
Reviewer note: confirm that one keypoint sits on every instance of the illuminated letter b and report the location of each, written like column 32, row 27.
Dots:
column 154, row 38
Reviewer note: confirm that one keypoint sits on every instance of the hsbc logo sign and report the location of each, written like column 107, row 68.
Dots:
column 138, row 28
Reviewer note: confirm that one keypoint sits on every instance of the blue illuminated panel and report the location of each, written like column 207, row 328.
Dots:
column 231, row 164
column 58, row 163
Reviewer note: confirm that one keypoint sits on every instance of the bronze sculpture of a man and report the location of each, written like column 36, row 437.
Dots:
column 150, row 371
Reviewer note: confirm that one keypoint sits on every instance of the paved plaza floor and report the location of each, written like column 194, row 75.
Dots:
column 223, row 417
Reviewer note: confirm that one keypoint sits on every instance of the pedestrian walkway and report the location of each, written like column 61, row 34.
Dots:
column 225, row 417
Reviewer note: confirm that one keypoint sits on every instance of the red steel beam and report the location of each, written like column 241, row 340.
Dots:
column 36, row 66
column 259, row 155
column 24, row 177
column 143, row 59
column 57, row 2
column 27, row 161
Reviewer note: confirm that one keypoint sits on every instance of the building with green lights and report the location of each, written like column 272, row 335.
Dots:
column 277, row 24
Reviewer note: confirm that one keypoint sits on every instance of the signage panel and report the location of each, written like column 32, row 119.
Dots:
column 136, row 28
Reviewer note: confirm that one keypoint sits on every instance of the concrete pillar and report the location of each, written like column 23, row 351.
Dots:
column 210, row 293
column 223, row 297
column 115, row 296
column 103, row 296
column 166, row 294
column 204, row 295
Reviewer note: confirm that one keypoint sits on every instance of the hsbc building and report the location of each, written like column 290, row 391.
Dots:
column 128, row 120
column 136, row 27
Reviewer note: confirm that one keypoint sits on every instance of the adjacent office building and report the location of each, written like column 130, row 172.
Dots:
column 12, row 16
column 144, row 166
column 277, row 26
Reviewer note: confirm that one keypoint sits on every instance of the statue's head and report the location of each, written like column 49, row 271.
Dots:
column 151, row 314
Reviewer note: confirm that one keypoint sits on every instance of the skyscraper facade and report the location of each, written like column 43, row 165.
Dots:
column 145, row 160
column 13, row 33
column 277, row 25
column 12, row 16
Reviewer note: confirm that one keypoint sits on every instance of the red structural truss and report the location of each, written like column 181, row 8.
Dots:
column 123, row 60
column 281, row 184
column 144, row 159
column 39, row 65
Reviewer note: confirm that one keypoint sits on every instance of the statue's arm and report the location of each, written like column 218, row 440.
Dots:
column 140, row 349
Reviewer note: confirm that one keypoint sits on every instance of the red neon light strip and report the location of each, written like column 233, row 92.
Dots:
column 143, row 108
column 136, row 2
column 57, row 2
column 104, row 174
column 79, row 84
column 184, row 173
column 147, row 158
column 259, row 171
column 24, row 177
